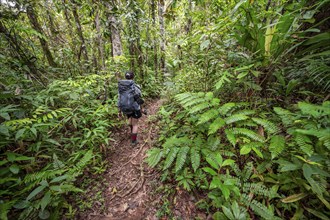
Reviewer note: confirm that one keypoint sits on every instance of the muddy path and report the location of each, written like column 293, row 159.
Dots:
column 129, row 188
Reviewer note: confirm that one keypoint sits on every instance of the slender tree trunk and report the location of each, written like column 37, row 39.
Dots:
column 66, row 14
column 155, row 45
column 99, row 40
column 139, row 52
column 162, row 36
column 114, row 27
column 189, row 22
column 35, row 24
column 83, row 48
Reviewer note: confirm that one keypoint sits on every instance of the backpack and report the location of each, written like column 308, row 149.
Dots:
column 127, row 96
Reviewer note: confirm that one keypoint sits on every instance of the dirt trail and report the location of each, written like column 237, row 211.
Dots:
column 129, row 181
column 129, row 184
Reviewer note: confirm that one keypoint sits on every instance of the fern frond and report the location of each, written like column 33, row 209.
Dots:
column 170, row 157
column 154, row 155
column 199, row 107
column 216, row 125
column 304, row 143
column 269, row 126
column 277, row 145
column 235, row 118
column 322, row 134
column 316, row 111
column 245, row 112
column 78, row 168
column 174, row 141
column 195, row 158
column 258, row 208
column 42, row 175
column 181, row 158
column 230, row 136
column 246, row 132
column 224, row 109
column 193, row 102
column 207, row 116
column 259, row 189
column 286, row 116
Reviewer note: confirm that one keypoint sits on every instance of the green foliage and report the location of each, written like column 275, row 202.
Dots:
column 248, row 144
column 42, row 131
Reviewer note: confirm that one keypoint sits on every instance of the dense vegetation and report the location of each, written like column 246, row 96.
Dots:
column 246, row 126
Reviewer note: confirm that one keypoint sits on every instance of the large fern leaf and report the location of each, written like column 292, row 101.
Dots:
column 269, row 126
column 154, row 156
column 199, row 107
column 207, row 116
column 170, row 157
column 251, row 134
column 181, row 158
column 305, row 144
column 286, row 116
column 277, row 145
column 224, row 109
column 216, row 125
column 322, row 134
column 235, row 118
column 231, row 136
column 316, row 111
column 195, row 158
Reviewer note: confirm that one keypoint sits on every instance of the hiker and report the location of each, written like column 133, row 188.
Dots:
column 129, row 103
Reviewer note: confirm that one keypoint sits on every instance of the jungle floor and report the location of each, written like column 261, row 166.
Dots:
column 129, row 188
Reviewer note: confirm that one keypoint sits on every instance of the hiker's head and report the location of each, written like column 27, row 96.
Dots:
column 129, row 75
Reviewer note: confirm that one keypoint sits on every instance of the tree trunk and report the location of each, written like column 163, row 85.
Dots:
column 162, row 36
column 155, row 45
column 99, row 41
column 114, row 27
column 35, row 24
column 189, row 22
column 139, row 52
column 83, row 48
column 66, row 14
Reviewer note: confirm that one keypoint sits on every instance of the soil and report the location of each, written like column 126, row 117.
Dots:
column 130, row 188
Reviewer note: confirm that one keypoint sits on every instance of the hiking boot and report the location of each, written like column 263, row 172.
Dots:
column 134, row 143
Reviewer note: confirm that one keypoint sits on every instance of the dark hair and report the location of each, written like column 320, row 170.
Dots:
column 129, row 75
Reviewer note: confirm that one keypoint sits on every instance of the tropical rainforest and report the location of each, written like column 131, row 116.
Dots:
column 240, row 95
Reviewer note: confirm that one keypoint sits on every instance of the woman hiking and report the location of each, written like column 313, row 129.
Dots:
column 129, row 103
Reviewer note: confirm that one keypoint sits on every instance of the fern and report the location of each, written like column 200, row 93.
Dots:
column 248, row 133
column 216, row 125
column 245, row 112
column 277, row 145
column 42, row 175
column 199, row 107
column 235, row 118
column 78, row 168
column 230, row 136
column 258, row 208
column 322, row 134
column 316, row 111
column 224, row 109
column 181, row 158
column 286, row 116
column 195, row 158
column 154, row 155
column 304, row 143
column 207, row 116
column 170, row 157
column 259, row 189
column 193, row 102
column 269, row 126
